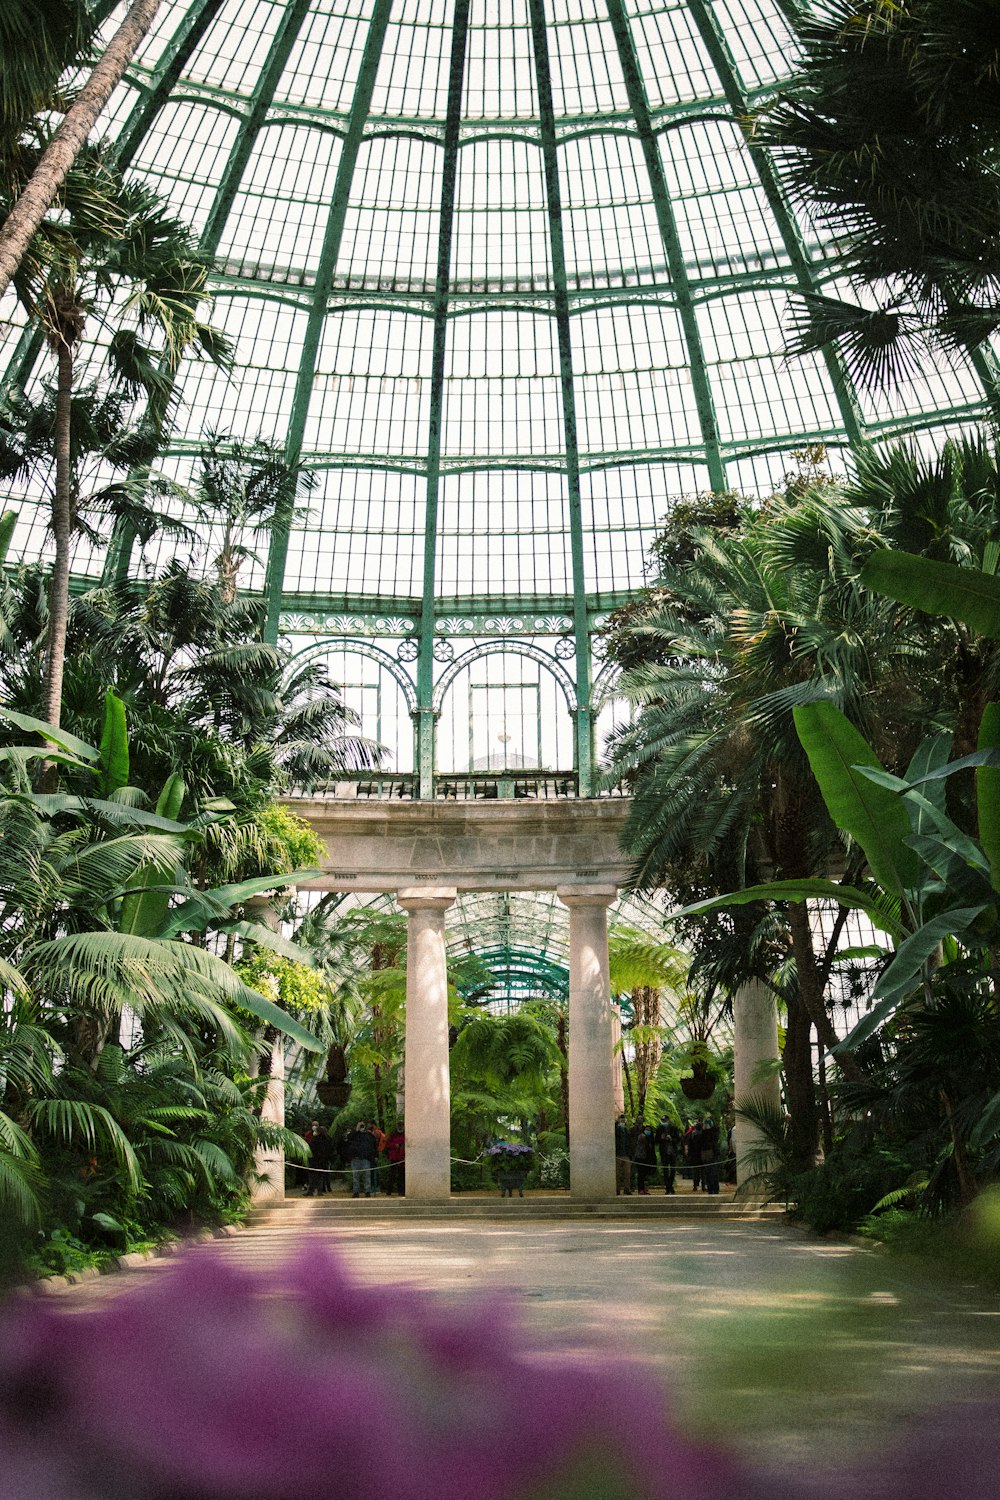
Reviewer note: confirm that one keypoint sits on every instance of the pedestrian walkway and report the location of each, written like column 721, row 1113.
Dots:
column 790, row 1347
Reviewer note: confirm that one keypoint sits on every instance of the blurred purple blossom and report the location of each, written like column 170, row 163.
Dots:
column 214, row 1383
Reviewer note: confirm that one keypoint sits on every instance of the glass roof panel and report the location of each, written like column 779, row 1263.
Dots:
column 508, row 301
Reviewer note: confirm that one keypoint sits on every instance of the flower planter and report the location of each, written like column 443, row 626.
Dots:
column 511, row 1182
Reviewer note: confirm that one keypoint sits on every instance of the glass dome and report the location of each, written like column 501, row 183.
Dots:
column 508, row 278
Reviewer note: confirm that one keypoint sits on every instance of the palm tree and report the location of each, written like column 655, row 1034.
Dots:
column 138, row 271
column 242, row 488
column 943, row 506
column 37, row 44
column 889, row 132
column 755, row 623
column 38, row 194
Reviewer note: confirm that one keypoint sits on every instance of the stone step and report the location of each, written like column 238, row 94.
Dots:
column 684, row 1206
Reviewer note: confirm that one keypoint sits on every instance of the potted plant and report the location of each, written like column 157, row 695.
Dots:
column 511, row 1162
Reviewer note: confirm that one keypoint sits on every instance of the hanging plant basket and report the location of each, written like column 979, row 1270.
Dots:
column 700, row 1085
column 336, row 1065
column 334, row 1095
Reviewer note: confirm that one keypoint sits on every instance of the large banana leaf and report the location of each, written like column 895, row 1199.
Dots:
column 265, row 937
column 7, row 523
column 873, row 816
column 144, row 910
column 988, row 1124
column 938, row 588
column 58, row 737
column 114, row 746
column 903, row 975
column 811, row 889
column 930, row 757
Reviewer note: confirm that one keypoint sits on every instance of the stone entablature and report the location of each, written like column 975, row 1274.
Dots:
column 473, row 846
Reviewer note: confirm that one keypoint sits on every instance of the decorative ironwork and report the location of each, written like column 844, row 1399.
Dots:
column 513, row 625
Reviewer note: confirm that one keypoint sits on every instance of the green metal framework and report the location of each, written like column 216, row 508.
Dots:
column 509, row 277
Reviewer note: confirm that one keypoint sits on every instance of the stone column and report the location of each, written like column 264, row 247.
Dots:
column 617, row 1072
column 591, row 1083
column 428, row 1087
column 755, row 1048
column 271, row 1162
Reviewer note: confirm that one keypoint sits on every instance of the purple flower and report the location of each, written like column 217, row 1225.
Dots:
column 215, row 1382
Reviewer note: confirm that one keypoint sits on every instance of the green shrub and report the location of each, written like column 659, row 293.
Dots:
column 840, row 1192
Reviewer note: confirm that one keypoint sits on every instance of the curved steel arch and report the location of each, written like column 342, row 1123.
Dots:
column 364, row 648
column 507, row 648
column 605, row 683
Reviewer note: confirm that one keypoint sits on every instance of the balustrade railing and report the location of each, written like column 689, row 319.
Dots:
column 456, row 786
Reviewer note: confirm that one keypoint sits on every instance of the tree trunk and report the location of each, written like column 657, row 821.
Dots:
column 810, row 987
column 61, row 528
column 645, row 1014
column 34, row 202
column 800, row 1086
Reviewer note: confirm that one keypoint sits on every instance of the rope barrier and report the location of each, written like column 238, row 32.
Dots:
column 474, row 1161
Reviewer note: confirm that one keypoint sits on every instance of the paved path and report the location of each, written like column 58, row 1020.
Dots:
column 791, row 1346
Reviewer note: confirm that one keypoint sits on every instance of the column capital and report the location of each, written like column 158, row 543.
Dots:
column 427, row 897
column 587, row 895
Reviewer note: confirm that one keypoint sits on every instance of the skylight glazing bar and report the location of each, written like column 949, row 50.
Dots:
column 425, row 663
column 581, row 624
column 671, row 243
column 360, row 106
column 721, row 54
column 169, row 69
column 119, row 555
column 260, row 102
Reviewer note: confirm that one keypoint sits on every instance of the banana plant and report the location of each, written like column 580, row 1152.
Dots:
column 934, row 890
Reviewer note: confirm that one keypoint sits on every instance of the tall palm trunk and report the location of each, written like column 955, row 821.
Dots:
column 646, row 1014
column 34, row 202
column 800, row 1086
column 61, row 528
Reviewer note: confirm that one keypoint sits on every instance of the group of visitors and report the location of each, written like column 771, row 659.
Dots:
column 695, row 1152
column 366, row 1151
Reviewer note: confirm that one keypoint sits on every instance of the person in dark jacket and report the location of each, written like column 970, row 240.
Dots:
column 710, row 1147
column 321, row 1150
column 644, row 1153
column 623, row 1158
column 692, row 1152
column 667, row 1138
column 361, row 1150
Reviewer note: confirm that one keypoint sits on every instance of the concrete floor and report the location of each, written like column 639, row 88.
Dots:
column 791, row 1347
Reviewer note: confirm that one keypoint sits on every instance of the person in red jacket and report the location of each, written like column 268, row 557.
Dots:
column 395, row 1150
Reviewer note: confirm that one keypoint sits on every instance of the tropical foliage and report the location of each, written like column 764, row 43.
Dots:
column 889, row 133
column 752, row 687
